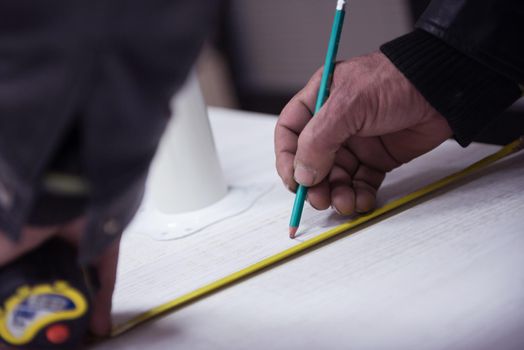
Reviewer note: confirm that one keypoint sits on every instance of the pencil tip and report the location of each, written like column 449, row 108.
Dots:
column 292, row 232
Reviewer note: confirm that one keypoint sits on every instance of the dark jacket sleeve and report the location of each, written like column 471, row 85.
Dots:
column 109, row 68
column 467, row 60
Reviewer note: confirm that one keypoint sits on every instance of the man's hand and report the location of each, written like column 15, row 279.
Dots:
column 373, row 121
column 105, row 265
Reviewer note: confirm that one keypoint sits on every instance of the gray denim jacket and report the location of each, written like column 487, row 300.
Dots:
column 108, row 66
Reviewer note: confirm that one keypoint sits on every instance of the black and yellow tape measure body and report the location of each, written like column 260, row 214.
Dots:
column 45, row 299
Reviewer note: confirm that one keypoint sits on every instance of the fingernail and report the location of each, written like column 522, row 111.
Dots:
column 336, row 210
column 304, row 175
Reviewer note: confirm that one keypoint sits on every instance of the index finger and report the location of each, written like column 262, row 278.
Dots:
column 106, row 267
column 293, row 119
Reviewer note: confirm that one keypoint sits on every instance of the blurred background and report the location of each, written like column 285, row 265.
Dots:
column 262, row 52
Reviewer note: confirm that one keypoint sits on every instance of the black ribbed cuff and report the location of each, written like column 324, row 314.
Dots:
column 468, row 94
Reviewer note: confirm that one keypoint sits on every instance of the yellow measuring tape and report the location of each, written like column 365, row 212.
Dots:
column 301, row 247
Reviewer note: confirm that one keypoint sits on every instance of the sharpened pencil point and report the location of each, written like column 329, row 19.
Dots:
column 292, row 232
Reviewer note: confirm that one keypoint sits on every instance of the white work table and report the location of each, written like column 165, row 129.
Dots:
column 446, row 273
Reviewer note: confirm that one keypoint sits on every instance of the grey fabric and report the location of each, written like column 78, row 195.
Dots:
column 109, row 65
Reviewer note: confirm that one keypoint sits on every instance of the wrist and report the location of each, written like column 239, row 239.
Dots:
column 468, row 94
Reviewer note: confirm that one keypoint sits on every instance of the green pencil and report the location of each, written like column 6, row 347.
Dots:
column 322, row 96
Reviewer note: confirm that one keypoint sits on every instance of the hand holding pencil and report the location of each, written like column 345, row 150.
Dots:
column 373, row 121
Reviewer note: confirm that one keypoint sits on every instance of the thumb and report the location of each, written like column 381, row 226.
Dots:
column 318, row 144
